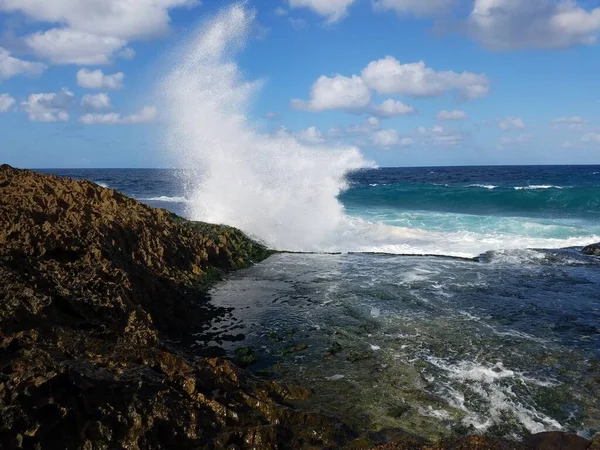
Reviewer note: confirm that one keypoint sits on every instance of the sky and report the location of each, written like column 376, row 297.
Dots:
column 410, row 82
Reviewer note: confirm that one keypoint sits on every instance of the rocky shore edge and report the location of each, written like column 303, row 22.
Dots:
column 98, row 295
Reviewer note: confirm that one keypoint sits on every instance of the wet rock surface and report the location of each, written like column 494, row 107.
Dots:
column 98, row 297
column 592, row 250
column 95, row 290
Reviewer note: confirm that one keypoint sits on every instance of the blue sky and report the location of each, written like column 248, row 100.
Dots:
column 411, row 82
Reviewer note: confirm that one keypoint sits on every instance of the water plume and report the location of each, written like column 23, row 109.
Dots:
column 271, row 186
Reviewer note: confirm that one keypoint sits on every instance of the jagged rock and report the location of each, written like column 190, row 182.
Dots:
column 94, row 287
column 98, row 294
column 592, row 250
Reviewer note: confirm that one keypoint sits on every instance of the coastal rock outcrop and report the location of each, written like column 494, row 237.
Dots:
column 100, row 297
column 95, row 291
column 592, row 250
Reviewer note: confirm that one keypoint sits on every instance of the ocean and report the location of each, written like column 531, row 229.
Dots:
column 391, row 321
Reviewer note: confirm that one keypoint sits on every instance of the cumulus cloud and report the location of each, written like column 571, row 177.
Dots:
column 591, row 138
column 338, row 92
column 389, row 76
column 95, row 102
column 517, row 24
column 515, row 141
column 11, row 66
column 570, row 123
column 419, row 8
column 391, row 108
column 124, row 19
column 363, row 128
column 6, row 101
column 438, row 135
column 92, row 31
column 146, row 115
column 455, row 114
column 511, row 123
column 96, row 79
column 311, row 135
column 389, row 138
column 67, row 46
column 49, row 107
column 332, row 10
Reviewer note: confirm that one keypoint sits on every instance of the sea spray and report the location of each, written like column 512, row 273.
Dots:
column 285, row 192
column 271, row 186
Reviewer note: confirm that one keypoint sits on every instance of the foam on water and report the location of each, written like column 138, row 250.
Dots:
column 165, row 199
column 273, row 187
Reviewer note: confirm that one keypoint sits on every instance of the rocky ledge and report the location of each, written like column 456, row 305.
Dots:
column 98, row 294
column 592, row 250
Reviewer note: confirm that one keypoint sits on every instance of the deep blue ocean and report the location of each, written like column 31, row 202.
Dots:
column 506, row 345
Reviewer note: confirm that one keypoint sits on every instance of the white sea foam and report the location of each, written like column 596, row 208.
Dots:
column 271, row 186
column 484, row 186
column 165, row 199
column 487, row 382
column 104, row 185
column 537, row 186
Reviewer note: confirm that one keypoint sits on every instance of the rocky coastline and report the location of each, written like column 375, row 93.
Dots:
column 98, row 295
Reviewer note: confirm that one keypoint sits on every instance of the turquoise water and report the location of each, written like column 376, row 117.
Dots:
column 506, row 345
column 459, row 211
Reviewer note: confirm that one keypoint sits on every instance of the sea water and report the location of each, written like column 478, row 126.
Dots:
column 498, row 333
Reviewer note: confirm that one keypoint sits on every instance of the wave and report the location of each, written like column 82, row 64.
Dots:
column 295, row 196
column 581, row 201
column 484, row 186
column 104, row 185
column 364, row 236
column 271, row 186
column 165, row 199
column 534, row 187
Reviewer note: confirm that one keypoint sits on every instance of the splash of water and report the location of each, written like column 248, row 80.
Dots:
column 272, row 187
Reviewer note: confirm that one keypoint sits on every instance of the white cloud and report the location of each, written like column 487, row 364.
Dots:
column 279, row 11
column 146, row 115
column 271, row 115
column 455, row 114
column 124, row 19
column 366, row 127
column 49, row 107
column 518, row 140
column 418, row 8
column 6, row 101
column 519, row 24
column 511, row 123
column 311, row 135
column 333, row 10
column 389, row 76
column 11, row 66
column 96, row 79
column 389, row 138
column 95, row 102
column 391, row 108
column 67, row 46
column 438, row 135
column 592, row 138
column 338, row 92
column 570, row 123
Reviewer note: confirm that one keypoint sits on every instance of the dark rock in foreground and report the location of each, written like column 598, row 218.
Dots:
column 592, row 250
column 93, row 285
column 98, row 294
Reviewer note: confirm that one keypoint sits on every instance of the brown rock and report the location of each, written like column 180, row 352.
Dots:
column 556, row 440
column 94, row 288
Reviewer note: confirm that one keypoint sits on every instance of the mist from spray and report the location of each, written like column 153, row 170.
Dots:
column 272, row 187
